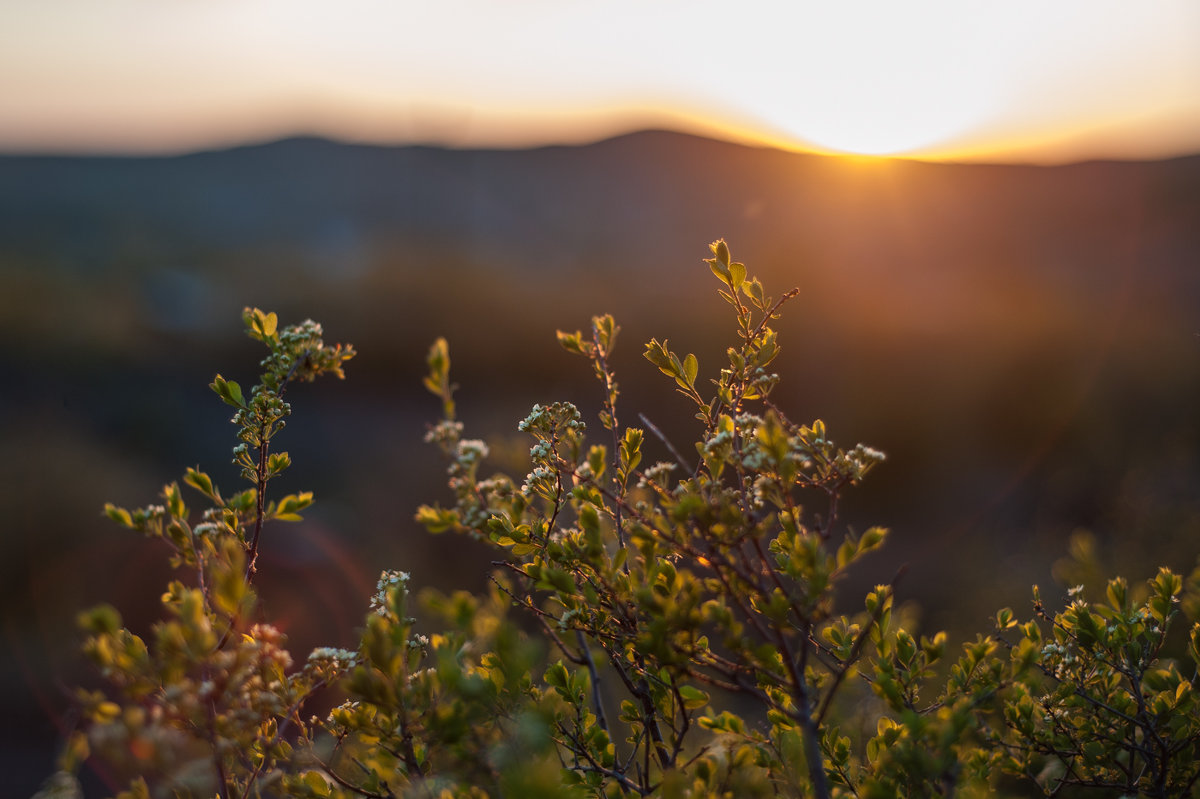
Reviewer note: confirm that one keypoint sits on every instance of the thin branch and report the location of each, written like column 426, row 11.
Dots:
column 218, row 760
column 809, row 725
column 349, row 786
column 579, row 748
column 260, row 487
column 261, row 476
column 666, row 442
column 597, row 698
column 610, row 407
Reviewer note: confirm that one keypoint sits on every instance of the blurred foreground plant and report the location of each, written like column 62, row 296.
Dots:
column 687, row 635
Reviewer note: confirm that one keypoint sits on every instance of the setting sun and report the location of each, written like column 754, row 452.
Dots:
column 865, row 109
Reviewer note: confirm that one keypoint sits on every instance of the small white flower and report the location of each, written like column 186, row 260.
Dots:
column 472, row 449
column 532, row 420
column 443, row 432
column 657, row 474
column 205, row 528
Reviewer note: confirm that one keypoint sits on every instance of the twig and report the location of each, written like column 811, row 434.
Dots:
column 597, row 699
column 666, row 441
column 349, row 786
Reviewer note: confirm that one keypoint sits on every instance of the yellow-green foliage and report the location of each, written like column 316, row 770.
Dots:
column 688, row 634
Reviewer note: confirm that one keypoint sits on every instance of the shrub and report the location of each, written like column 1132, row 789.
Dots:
column 669, row 628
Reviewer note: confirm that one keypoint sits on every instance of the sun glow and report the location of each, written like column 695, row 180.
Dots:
column 877, row 119
column 895, row 81
column 926, row 78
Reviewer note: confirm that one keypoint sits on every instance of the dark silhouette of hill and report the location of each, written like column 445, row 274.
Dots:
column 1021, row 340
column 638, row 203
column 659, row 190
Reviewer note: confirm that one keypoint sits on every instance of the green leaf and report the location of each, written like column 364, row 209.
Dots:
column 100, row 620
column 436, row 520
column 693, row 697
column 721, row 250
column 597, row 460
column 631, row 446
column 558, row 580
column 846, row 552
column 438, row 358
column 118, row 515
column 589, row 520
column 725, row 722
column 259, row 326
column 1117, row 593
column 691, row 368
column 316, row 782
column 438, row 379
column 658, row 354
column 753, row 289
column 229, row 391
column 202, row 483
column 1088, row 630
column 277, row 462
column 872, row 539
column 571, row 342
column 718, row 269
column 1166, row 585
column 174, row 501
column 737, row 275
column 606, row 331
column 243, row 501
column 556, row 677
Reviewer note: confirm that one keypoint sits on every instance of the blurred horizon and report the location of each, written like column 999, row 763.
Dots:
column 932, row 80
column 582, row 135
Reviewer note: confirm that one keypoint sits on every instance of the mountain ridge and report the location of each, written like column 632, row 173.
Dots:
column 637, row 134
column 636, row 200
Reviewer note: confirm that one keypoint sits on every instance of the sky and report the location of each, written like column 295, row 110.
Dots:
column 1047, row 81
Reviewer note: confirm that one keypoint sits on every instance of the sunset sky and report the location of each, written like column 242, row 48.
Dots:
column 1015, row 81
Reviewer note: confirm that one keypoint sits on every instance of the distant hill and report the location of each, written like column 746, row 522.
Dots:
column 659, row 191
column 644, row 203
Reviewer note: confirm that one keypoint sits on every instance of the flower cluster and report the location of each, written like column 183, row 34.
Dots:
column 551, row 419
column 543, row 482
column 445, row 434
column 328, row 662
column 390, row 591
column 657, row 475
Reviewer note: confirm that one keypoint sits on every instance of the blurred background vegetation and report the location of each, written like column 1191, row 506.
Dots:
column 1021, row 341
